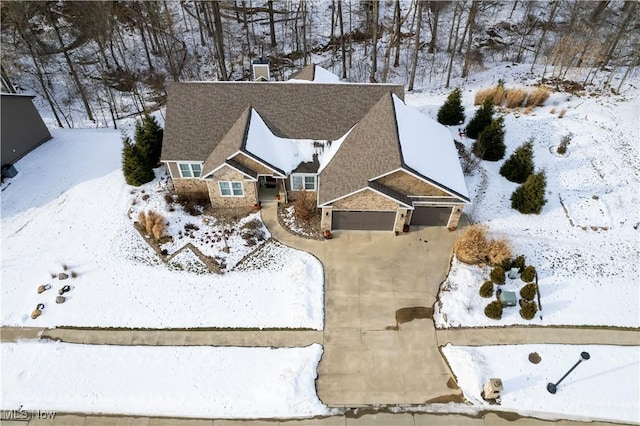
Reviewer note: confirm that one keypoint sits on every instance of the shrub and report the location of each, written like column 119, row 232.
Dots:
column 519, row 165
column 564, row 143
column 529, row 274
column 506, row 263
column 519, row 262
column 481, row 119
column 562, row 112
column 136, row 171
column 468, row 162
column 305, row 207
column 153, row 223
column 528, row 292
column 452, row 112
column 252, row 224
column 528, row 310
column 499, row 251
column 486, row 289
column 516, row 97
column 493, row 310
column 537, row 97
column 194, row 203
column 497, row 275
column 168, row 198
column 529, row 198
column 471, row 246
column 482, row 95
column 499, row 93
column 490, row 144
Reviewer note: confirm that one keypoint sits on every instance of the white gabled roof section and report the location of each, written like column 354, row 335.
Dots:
column 428, row 148
column 285, row 154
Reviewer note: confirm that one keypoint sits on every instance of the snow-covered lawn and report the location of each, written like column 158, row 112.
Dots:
column 604, row 388
column 68, row 207
column 186, row 381
column 584, row 244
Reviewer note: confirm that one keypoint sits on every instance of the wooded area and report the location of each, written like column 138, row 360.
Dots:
column 112, row 59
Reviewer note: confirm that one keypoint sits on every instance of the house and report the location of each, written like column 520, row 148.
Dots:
column 370, row 161
column 22, row 127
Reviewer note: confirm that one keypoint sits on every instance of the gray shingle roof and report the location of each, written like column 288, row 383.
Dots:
column 230, row 143
column 199, row 115
column 306, row 73
column 371, row 149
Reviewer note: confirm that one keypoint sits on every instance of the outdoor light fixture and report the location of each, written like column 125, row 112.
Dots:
column 553, row 387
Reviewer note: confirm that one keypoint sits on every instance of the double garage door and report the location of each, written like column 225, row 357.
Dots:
column 363, row 220
column 430, row 216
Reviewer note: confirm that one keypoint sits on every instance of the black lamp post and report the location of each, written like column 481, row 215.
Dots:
column 553, row 387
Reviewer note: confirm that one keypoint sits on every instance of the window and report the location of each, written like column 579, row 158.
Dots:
column 188, row 170
column 303, row 182
column 231, row 189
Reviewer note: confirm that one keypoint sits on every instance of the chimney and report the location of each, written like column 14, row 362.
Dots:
column 261, row 70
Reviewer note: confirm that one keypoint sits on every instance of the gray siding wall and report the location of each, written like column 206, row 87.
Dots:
column 22, row 127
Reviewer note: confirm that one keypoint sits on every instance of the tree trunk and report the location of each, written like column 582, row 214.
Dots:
column 374, row 48
column 72, row 70
column 455, row 41
column 416, row 50
column 217, row 23
column 342, row 44
column 545, row 28
column 397, row 35
column 435, row 12
column 272, row 25
column 471, row 24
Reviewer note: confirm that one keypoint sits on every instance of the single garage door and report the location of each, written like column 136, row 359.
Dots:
column 363, row 220
column 430, row 216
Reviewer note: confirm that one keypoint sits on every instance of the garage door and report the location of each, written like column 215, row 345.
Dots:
column 431, row 216
column 369, row 221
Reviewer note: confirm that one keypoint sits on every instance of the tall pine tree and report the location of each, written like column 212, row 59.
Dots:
column 148, row 137
column 519, row 165
column 452, row 113
column 481, row 119
column 490, row 144
column 529, row 198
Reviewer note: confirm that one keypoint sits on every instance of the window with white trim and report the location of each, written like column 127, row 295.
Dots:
column 230, row 188
column 188, row 170
column 303, row 182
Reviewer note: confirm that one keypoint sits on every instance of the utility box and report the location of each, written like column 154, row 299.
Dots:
column 513, row 273
column 492, row 389
column 508, row 298
column 9, row 171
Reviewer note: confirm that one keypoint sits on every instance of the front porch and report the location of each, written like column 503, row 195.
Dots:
column 269, row 187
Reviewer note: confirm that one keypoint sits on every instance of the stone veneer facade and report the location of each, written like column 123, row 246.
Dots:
column 227, row 173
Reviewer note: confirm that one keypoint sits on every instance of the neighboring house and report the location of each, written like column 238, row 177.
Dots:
column 22, row 127
column 370, row 161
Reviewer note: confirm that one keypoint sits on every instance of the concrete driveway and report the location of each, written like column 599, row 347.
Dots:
column 370, row 358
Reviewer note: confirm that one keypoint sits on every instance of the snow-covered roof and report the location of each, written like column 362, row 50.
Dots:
column 428, row 148
column 283, row 153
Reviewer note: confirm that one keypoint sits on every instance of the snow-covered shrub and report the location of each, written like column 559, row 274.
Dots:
column 529, row 274
column 519, row 165
column 468, row 162
column 472, row 246
column 486, row 289
column 529, row 198
column 499, row 250
column 490, row 144
column 528, row 310
column 452, row 112
column 494, row 310
column 528, row 292
column 481, row 119
column 497, row 275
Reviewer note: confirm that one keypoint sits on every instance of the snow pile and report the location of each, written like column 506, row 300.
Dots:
column 68, row 207
column 184, row 381
column 604, row 388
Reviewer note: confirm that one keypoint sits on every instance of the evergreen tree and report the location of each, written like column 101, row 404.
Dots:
column 490, row 144
column 452, row 113
column 136, row 171
column 529, row 197
column 481, row 119
column 520, row 165
column 148, row 137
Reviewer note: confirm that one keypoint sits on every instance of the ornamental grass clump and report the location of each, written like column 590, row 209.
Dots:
column 486, row 289
column 153, row 223
column 494, row 310
column 499, row 252
column 472, row 246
